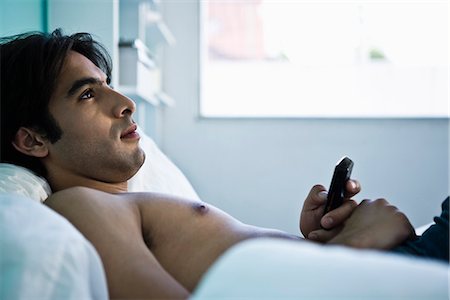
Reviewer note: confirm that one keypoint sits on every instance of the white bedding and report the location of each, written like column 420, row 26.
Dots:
column 279, row 269
column 20, row 181
column 42, row 256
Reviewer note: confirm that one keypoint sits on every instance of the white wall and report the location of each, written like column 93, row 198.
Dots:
column 260, row 170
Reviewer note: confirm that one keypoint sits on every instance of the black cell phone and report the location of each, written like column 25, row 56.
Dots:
column 341, row 175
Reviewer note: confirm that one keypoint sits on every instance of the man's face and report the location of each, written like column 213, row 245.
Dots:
column 99, row 141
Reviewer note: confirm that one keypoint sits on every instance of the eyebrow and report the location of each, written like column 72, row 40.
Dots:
column 82, row 82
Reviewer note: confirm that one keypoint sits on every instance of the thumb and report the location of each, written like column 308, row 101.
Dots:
column 316, row 198
column 322, row 235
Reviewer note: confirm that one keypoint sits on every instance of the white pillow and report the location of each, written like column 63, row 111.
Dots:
column 158, row 174
column 43, row 256
column 21, row 181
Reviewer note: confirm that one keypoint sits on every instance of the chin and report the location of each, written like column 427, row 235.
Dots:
column 139, row 163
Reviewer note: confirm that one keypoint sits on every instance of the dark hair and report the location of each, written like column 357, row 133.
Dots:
column 30, row 65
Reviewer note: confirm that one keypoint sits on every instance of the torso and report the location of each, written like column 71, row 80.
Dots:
column 185, row 236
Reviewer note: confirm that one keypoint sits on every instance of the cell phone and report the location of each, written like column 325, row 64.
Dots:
column 341, row 175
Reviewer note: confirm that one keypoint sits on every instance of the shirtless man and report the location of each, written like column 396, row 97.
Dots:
column 61, row 119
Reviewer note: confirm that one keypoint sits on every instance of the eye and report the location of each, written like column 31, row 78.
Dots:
column 88, row 94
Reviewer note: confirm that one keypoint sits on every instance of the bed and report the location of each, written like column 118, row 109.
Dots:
column 44, row 257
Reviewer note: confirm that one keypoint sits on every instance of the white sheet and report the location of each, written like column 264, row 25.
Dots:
column 279, row 269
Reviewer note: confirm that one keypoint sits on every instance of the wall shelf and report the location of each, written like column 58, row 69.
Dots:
column 142, row 33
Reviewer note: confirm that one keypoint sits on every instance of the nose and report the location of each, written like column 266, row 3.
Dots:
column 123, row 105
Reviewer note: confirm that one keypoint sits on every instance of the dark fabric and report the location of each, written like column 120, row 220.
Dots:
column 434, row 242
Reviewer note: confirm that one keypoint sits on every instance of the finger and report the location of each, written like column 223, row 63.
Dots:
column 322, row 235
column 316, row 197
column 339, row 215
column 352, row 187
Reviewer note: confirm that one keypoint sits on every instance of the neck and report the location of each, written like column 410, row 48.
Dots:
column 60, row 182
column 112, row 188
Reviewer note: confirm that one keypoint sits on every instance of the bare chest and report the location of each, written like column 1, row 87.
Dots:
column 186, row 237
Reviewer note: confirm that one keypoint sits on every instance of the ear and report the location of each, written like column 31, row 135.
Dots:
column 30, row 143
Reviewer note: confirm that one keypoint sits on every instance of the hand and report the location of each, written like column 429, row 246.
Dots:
column 373, row 224
column 312, row 217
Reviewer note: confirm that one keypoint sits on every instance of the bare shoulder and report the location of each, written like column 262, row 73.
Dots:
column 80, row 195
column 98, row 215
column 88, row 207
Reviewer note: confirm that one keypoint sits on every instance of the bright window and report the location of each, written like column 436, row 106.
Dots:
column 263, row 58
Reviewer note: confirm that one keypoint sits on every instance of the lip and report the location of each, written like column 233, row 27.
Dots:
column 130, row 133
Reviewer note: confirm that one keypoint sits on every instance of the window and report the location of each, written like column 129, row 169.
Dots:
column 264, row 58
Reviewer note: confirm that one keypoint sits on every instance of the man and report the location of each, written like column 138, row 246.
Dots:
column 61, row 119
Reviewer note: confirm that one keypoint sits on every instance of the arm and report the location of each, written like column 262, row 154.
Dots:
column 113, row 226
column 434, row 242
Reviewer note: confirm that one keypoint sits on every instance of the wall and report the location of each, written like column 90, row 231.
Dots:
column 260, row 170
column 17, row 16
column 97, row 17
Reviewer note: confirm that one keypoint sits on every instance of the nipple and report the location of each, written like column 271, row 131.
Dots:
column 200, row 208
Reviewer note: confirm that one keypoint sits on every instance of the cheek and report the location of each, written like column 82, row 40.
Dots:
column 77, row 146
column 84, row 128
